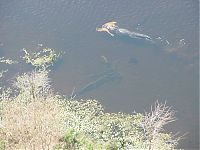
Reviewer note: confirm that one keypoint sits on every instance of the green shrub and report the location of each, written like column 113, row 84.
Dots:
column 2, row 144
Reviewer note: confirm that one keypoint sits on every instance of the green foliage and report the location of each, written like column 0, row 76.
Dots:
column 2, row 144
column 70, row 139
column 113, row 130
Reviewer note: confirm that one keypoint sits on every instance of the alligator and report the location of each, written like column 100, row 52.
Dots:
column 108, row 75
column 113, row 29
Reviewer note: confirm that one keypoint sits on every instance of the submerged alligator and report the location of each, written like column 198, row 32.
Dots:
column 108, row 75
column 112, row 29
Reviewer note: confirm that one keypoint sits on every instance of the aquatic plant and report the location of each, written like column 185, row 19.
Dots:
column 7, row 61
column 44, row 58
column 2, row 72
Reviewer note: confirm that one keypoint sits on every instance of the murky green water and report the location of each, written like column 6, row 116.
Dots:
column 136, row 73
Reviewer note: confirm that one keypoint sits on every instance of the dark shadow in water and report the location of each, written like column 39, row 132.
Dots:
column 107, row 76
column 133, row 60
column 104, row 79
